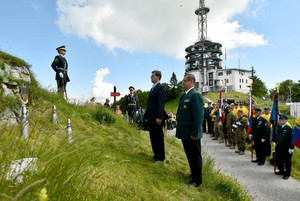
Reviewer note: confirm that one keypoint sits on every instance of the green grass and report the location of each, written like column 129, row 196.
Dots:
column 104, row 162
column 12, row 60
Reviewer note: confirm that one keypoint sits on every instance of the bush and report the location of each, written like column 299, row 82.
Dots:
column 104, row 115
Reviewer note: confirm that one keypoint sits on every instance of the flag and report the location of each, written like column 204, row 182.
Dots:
column 274, row 117
column 221, row 107
column 250, row 112
column 296, row 133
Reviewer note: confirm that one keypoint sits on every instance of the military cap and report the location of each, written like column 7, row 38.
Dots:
column 236, row 103
column 209, row 103
column 240, row 111
column 246, row 103
column 241, row 103
column 230, row 107
column 61, row 48
column 283, row 116
column 131, row 88
column 257, row 110
column 266, row 108
column 213, row 104
column 225, row 101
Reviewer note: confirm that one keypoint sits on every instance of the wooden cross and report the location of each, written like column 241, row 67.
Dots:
column 115, row 94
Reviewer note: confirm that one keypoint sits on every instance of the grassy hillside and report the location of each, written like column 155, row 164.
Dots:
column 105, row 161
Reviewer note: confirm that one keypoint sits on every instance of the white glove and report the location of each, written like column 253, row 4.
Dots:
column 291, row 151
column 234, row 126
column 238, row 123
column 263, row 140
column 220, row 123
column 232, row 130
column 250, row 136
column 61, row 75
column 214, row 116
column 274, row 144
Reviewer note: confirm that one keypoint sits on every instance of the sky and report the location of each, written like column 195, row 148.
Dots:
column 120, row 42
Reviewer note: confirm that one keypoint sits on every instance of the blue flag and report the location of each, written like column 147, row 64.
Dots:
column 273, row 117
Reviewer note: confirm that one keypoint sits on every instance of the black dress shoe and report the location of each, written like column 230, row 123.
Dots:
column 156, row 160
column 260, row 163
column 285, row 177
column 279, row 173
column 193, row 183
column 255, row 161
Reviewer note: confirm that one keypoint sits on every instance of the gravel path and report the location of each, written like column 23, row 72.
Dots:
column 260, row 181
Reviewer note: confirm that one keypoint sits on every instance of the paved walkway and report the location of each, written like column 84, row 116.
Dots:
column 260, row 181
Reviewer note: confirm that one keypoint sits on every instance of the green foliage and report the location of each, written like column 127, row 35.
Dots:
column 1, row 79
column 2, row 66
column 102, row 114
column 259, row 88
column 173, row 89
column 143, row 99
column 12, row 60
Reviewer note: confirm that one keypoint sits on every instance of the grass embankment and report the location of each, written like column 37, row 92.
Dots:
column 105, row 161
column 237, row 96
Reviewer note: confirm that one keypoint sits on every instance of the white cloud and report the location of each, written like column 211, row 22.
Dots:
column 162, row 26
column 102, row 89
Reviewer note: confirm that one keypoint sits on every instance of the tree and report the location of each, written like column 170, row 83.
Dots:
column 296, row 92
column 284, row 89
column 259, row 88
column 143, row 99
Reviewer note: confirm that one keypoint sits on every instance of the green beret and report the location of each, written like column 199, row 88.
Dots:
column 283, row 116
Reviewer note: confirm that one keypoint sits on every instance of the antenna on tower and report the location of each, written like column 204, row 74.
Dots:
column 202, row 20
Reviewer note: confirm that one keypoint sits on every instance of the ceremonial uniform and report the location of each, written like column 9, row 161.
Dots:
column 260, row 132
column 60, row 66
column 283, row 149
column 218, row 127
column 241, row 126
column 132, row 105
column 230, row 120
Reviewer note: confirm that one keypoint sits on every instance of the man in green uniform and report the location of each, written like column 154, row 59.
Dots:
column 284, row 147
column 132, row 103
column 60, row 66
column 230, row 120
column 260, row 133
column 208, row 118
column 218, row 126
column 204, row 120
column 190, row 115
column 240, row 128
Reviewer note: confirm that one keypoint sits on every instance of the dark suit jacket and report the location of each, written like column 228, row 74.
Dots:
column 190, row 115
column 60, row 65
column 156, row 103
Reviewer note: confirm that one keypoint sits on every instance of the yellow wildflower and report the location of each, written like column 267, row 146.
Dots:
column 43, row 195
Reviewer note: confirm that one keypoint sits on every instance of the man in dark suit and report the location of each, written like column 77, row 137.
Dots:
column 60, row 66
column 260, row 133
column 190, row 115
column 155, row 116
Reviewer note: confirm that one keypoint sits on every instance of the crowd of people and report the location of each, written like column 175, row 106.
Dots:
column 232, row 127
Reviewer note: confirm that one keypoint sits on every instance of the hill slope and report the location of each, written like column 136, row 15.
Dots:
column 107, row 160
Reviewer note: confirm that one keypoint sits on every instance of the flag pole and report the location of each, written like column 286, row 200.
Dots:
column 251, row 82
column 225, row 75
column 277, row 111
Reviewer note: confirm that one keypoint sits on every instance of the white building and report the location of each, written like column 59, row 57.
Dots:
column 211, row 79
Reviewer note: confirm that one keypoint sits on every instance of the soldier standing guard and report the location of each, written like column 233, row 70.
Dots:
column 284, row 147
column 132, row 103
column 230, row 120
column 240, row 127
column 260, row 133
column 60, row 66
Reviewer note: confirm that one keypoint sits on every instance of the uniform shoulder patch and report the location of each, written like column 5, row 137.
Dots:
column 56, row 59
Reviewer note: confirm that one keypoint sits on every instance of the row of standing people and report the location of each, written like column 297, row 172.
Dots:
column 234, row 131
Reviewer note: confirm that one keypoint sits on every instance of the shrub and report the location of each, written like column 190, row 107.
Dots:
column 104, row 115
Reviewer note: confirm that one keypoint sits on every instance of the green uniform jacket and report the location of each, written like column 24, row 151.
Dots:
column 207, row 112
column 260, row 128
column 230, row 120
column 190, row 115
column 243, row 126
column 285, row 136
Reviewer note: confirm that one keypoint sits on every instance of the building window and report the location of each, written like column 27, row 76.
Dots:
column 242, row 80
column 246, row 81
column 227, row 81
column 210, row 75
column 220, row 74
column 229, row 72
column 240, row 86
column 211, row 82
